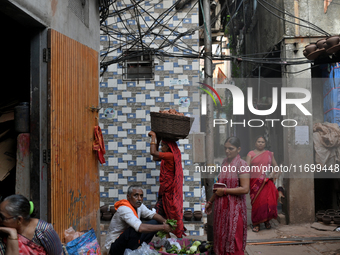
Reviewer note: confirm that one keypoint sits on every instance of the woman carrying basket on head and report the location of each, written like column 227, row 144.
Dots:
column 170, row 194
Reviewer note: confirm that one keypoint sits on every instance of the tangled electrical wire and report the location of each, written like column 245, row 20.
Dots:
column 132, row 30
column 103, row 10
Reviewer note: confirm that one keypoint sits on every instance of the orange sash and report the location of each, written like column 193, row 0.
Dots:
column 125, row 202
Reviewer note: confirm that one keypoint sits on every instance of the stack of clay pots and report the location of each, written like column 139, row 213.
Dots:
column 325, row 46
column 189, row 216
column 328, row 216
column 107, row 213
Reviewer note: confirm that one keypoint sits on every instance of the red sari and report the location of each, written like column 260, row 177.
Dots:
column 28, row 247
column 171, row 186
column 230, row 213
column 263, row 193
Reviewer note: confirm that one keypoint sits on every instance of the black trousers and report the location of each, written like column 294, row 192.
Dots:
column 131, row 239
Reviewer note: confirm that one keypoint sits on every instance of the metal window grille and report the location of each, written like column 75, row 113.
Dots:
column 138, row 66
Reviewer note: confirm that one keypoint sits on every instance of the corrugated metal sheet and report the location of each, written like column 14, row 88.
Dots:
column 74, row 181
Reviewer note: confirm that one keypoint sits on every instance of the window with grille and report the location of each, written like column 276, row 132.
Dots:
column 138, row 65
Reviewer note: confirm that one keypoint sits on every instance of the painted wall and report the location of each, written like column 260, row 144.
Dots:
column 299, row 186
column 314, row 12
column 68, row 17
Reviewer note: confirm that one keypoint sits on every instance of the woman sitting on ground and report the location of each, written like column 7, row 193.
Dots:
column 21, row 234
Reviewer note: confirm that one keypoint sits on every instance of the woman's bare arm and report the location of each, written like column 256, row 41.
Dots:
column 243, row 189
column 12, row 247
column 154, row 145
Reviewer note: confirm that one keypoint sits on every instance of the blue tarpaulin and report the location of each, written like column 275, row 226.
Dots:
column 331, row 96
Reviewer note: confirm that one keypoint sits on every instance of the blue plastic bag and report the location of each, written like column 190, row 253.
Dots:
column 331, row 94
column 85, row 244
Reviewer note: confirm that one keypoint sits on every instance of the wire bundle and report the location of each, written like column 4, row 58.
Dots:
column 130, row 27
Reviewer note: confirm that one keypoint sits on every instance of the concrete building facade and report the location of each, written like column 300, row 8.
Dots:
column 55, row 47
column 274, row 34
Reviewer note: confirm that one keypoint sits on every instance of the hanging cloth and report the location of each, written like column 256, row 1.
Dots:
column 98, row 144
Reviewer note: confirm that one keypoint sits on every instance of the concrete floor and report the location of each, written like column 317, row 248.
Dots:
column 305, row 233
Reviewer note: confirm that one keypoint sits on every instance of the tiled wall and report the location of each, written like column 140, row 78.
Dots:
column 125, row 135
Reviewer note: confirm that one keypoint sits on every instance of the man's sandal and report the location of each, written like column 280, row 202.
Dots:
column 267, row 225
column 256, row 228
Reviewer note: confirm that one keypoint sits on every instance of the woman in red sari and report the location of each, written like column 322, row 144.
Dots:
column 263, row 193
column 230, row 213
column 170, row 194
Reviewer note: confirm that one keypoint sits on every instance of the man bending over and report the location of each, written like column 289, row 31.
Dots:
column 126, row 231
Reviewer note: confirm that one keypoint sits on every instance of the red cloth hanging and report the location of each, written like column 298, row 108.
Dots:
column 98, row 144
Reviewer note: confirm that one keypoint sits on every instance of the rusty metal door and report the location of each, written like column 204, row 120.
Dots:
column 73, row 169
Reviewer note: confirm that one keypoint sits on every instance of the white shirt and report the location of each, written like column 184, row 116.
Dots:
column 124, row 218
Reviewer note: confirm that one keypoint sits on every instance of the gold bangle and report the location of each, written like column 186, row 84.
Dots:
column 12, row 238
column 152, row 143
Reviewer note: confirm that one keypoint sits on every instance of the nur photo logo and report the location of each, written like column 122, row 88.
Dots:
column 204, row 97
column 239, row 102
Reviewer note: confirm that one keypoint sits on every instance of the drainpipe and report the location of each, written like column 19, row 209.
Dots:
column 209, row 136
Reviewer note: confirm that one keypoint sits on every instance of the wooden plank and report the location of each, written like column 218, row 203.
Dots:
column 74, row 198
column 22, row 184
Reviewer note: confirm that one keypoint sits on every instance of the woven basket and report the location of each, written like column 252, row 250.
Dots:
column 170, row 126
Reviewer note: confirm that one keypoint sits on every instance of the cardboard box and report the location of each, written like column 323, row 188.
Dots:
column 7, row 157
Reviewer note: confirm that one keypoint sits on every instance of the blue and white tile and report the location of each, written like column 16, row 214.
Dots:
column 141, row 130
column 113, row 177
column 127, row 173
column 126, row 125
column 141, row 161
column 126, row 141
column 126, row 110
column 122, row 118
column 113, row 161
column 112, row 130
column 127, row 157
column 122, row 181
column 113, row 192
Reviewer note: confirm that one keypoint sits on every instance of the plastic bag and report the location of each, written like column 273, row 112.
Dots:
column 71, row 234
column 162, row 242
column 173, row 241
column 85, row 244
column 144, row 250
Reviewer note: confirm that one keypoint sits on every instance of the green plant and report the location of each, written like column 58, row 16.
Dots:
column 172, row 223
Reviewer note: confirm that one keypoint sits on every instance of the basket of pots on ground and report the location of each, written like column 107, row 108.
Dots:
column 328, row 216
column 170, row 124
